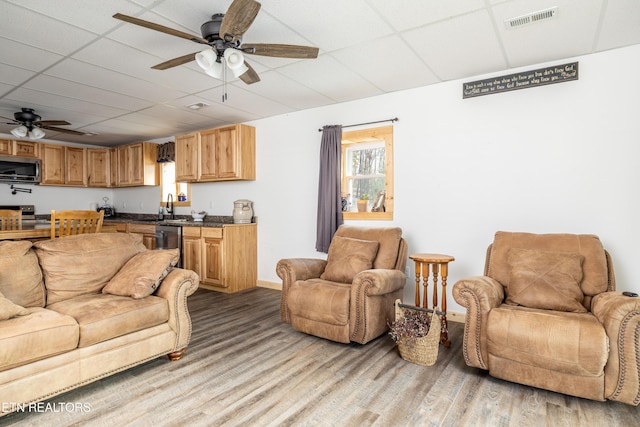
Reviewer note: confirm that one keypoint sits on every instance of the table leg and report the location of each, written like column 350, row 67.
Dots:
column 418, row 271
column 435, row 285
column 444, row 334
column 425, row 283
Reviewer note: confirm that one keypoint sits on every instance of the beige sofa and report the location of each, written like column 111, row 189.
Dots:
column 81, row 308
column 546, row 314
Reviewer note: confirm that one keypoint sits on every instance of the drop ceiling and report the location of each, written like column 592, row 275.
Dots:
column 70, row 60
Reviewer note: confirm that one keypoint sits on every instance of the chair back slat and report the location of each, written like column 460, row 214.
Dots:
column 10, row 219
column 73, row 222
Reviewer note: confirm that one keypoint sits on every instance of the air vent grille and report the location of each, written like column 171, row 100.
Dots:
column 531, row 18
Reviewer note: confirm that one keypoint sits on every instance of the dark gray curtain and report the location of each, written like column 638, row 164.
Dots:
column 329, row 200
column 167, row 152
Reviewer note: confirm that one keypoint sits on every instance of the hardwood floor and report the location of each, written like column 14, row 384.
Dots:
column 244, row 367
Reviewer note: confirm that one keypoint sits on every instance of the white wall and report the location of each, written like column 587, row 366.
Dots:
column 559, row 158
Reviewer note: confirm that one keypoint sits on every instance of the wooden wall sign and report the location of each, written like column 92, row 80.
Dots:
column 522, row 80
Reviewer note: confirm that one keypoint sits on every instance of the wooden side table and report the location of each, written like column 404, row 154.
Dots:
column 439, row 265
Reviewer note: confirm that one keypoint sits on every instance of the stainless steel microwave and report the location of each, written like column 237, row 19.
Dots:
column 23, row 170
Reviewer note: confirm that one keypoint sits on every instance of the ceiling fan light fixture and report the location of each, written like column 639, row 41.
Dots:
column 21, row 131
column 216, row 70
column 36, row 133
column 206, row 59
column 235, row 61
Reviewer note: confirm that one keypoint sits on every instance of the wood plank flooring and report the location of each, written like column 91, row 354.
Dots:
column 244, row 367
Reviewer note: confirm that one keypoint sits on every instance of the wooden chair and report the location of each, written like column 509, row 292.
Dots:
column 72, row 222
column 10, row 219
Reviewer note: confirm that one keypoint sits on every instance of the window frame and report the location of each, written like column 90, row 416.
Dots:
column 383, row 133
column 175, row 191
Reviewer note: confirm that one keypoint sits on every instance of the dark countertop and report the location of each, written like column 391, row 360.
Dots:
column 179, row 221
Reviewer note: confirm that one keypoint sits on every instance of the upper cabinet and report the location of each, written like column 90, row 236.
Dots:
column 62, row 165
column 99, row 167
column 138, row 165
column 18, row 148
column 221, row 154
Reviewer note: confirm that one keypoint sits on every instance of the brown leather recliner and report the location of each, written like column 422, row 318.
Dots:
column 350, row 296
column 546, row 314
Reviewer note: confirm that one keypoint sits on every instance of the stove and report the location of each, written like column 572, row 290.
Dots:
column 28, row 212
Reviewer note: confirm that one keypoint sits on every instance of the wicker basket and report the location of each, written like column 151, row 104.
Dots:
column 422, row 351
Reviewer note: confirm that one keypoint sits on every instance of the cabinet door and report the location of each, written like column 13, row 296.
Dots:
column 113, row 171
column 26, row 148
column 98, row 165
column 192, row 253
column 135, row 154
column 187, row 157
column 123, row 178
column 212, row 262
column 52, row 164
column 6, row 147
column 227, row 152
column 76, row 166
column 208, row 164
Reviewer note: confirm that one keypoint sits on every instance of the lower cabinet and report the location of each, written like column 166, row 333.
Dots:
column 147, row 231
column 226, row 259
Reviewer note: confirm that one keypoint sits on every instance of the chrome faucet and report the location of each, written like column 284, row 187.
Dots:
column 169, row 207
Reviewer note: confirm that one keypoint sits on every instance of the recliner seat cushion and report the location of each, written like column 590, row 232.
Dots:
column 83, row 264
column 41, row 333
column 320, row 300
column 572, row 343
column 20, row 274
column 104, row 316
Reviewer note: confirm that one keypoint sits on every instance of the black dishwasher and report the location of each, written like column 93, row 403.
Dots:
column 169, row 237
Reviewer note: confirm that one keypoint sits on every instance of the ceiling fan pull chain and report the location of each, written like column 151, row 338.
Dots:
column 224, row 81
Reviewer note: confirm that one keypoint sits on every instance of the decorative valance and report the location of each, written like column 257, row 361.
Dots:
column 167, row 152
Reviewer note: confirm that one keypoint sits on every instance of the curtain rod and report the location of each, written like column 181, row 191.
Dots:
column 395, row 119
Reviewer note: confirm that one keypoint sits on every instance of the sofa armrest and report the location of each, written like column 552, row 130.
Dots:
column 293, row 269
column 478, row 294
column 620, row 316
column 175, row 288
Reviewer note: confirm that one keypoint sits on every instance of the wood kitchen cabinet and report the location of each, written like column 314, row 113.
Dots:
column 99, row 167
column 225, row 258
column 221, row 154
column 63, row 165
column 10, row 147
column 75, row 166
column 138, row 165
column 147, row 231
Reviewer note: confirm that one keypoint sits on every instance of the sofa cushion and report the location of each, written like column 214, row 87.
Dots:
column 20, row 274
column 348, row 257
column 545, row 279
column 8, row 309
column 40, row 334
column 85, row 263
column 321, row 301
column 388, row 239
column 142, row 274
column 572, row 343
column 104, row 316
column 594, row 268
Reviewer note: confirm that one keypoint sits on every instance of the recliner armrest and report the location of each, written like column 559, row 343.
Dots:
column 379, row 281
column 620, row 316
column 291, row 270
column 478, row 294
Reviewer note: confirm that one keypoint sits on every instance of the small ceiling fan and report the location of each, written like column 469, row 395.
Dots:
column 31, row 125
column 223, row 36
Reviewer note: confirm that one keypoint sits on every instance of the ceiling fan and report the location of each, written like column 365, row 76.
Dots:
column 31, row 125
column 223, row 36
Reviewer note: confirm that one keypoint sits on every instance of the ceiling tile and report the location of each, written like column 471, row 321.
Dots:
column 462, row 46
column 27, row 57
column 406, row 14
column 369, row 60
column 621, row 26
column 13, row 75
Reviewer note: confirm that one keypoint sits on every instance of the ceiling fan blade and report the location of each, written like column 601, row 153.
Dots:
column 280, row 50
column 175, row 61
column 57, row 129
column 250, row 76
column 158, row 27
column 238, row 19
column 7, row 118
column 52, row 123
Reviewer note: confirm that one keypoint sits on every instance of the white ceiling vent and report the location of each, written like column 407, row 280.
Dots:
column 531, row 18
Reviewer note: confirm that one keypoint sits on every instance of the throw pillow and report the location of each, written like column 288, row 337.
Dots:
column 348, row 257
column 545, row 279
column 8, row 309
column 142, row 274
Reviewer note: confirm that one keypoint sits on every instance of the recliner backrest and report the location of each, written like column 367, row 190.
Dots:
column 388, row 238
column 595, row 271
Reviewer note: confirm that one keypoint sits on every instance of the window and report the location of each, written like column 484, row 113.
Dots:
column 168, row 185
column 367, row 173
